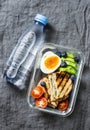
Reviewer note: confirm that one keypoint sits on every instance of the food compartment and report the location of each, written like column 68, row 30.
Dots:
column 59, row 77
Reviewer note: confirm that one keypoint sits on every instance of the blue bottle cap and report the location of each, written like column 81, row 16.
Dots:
column 42, row 19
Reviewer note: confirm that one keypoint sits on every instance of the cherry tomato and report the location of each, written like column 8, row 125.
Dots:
column 37, row 92
column 63, row 105
column 41, row 102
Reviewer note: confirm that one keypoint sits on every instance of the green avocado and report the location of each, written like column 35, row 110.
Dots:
column 73, row 64
column 69, row 54
column 67, row 59
column 68, row 69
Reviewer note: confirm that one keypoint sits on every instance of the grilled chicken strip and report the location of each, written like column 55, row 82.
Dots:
column 60, row 77
column 53, row 104
column 66, row 88
column 69, row 90
column 53, row 78
column 63, row 82
column 52, row 87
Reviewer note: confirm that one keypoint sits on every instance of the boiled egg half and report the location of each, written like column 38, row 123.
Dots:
column 49, row 62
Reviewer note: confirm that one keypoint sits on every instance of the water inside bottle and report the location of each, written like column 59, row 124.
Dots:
column 22, row 53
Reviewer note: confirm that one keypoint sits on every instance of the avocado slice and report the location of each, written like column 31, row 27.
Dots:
column 68, row 69
column 69, row 54
column 73, row 64
column 67, row 59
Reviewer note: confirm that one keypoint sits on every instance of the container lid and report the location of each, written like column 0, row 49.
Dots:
column 42, row 19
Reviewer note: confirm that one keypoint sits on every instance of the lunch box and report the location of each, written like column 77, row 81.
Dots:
column 37, row 75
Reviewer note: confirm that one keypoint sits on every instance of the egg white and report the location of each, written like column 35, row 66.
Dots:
column 43, row 68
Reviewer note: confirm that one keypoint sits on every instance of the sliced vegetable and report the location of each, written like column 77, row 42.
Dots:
column 66, row 63
column 41, row 102
column 73, row 64
column 68, row 69
column 69, row 54
column 37, row 92
column 67, row 59
column 63, row 105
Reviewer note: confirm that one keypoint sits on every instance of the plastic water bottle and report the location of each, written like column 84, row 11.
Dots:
column 22, row 58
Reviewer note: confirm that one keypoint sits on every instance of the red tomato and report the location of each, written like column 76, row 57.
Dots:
column 37, row 92
column 41, row 102
column 63, row 105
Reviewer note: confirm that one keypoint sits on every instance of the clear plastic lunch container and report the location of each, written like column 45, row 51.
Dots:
column 37, row 75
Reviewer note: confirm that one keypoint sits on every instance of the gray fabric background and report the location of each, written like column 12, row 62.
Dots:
column 69, row 24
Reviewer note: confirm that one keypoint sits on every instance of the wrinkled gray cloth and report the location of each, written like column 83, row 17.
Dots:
column 69, row 24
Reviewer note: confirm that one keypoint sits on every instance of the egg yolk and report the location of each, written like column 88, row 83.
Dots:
column 52, row 62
